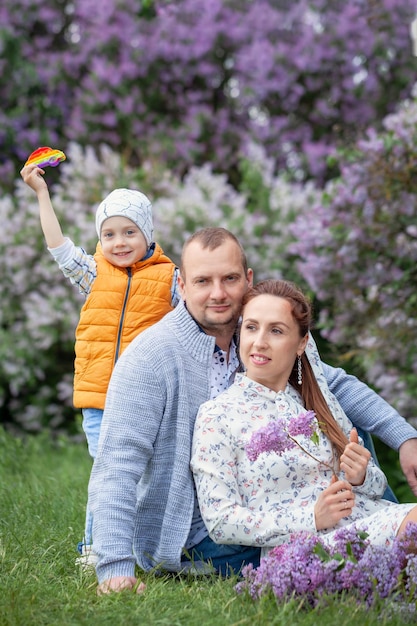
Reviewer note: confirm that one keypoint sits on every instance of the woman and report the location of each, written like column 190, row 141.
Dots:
column 317, row 487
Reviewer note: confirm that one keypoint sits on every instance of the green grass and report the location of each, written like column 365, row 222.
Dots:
column 42, row 498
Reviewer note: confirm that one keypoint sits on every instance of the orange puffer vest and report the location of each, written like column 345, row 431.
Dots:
column 121, row 304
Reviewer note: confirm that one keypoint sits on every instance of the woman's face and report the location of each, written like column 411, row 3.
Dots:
column 270, row 341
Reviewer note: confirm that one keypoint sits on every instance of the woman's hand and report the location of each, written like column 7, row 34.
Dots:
column 334, row 503
column 354, row 460
column 120, row 583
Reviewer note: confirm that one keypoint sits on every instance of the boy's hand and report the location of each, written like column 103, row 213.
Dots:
column 33, row 176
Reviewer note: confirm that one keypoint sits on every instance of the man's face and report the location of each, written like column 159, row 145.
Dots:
column 214, row 285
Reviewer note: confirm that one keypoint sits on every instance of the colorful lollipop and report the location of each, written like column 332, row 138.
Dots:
column 46, row 156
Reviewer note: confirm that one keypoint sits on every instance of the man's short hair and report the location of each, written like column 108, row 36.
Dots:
column 211, row 238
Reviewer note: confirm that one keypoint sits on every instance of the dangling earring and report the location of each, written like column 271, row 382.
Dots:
column 299, row 371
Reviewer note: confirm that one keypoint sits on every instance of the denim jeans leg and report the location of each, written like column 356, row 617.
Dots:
column 91, row 425
column 226, row 559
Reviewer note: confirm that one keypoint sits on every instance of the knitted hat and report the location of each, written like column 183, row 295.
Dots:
column 127, row 203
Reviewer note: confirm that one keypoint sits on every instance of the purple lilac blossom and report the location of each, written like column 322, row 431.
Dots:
column 277, row 436
column 360, row 252
column 307, row 568
column 198, row 80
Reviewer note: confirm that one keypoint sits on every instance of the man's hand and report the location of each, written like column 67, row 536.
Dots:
column 354, row 460
column 120, row 583
column 408, row 461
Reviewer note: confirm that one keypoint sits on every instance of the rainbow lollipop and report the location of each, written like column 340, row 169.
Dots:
column 46, row 156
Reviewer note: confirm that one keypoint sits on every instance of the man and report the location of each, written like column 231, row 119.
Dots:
column 141, row 488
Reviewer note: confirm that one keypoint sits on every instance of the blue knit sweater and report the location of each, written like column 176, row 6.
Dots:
column 141, row 490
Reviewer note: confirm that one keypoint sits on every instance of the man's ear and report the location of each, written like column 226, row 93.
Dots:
column 249, row 277
column 181, row 286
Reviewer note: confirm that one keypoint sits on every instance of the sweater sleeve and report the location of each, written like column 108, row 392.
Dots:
column 228, row 519
column 367, row 409
column 127, row 435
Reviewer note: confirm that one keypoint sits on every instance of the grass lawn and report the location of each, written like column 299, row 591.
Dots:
column 42, row 499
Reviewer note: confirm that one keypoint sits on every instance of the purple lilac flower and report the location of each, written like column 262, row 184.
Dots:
column 407, row 543
column 278, row 436
column 350, row 543
column 270, row 438
column 411, row 575
column 303, row 424
column 291, row 569
column 307, row 568
column 376, row 574
column 352, row 578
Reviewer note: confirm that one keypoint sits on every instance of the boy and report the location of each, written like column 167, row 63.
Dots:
column 129, row 285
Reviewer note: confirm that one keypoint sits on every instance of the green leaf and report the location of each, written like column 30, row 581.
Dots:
column 315, row 438
column 321, row 552
column 349, row 551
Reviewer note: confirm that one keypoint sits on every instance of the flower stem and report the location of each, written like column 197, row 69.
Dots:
column 330, row 467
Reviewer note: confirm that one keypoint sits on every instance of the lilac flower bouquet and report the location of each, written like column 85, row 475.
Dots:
column 308, row 569
column 280, row 435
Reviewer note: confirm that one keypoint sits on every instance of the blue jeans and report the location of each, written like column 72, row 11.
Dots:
column 226, row 559
column 91, row 426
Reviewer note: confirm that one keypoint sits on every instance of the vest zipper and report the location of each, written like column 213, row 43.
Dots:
column 122, row 316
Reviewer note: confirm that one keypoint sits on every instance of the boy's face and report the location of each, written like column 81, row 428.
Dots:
column 122, row 242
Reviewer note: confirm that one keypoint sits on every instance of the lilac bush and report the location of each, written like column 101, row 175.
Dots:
column 307, row 568
column 259, row 213
column 36, row 100
column 356, row 241
column 190, row 82
column 359, row 256
column 40, row 309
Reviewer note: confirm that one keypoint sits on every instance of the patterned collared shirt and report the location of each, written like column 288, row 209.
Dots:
column 223, row 372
